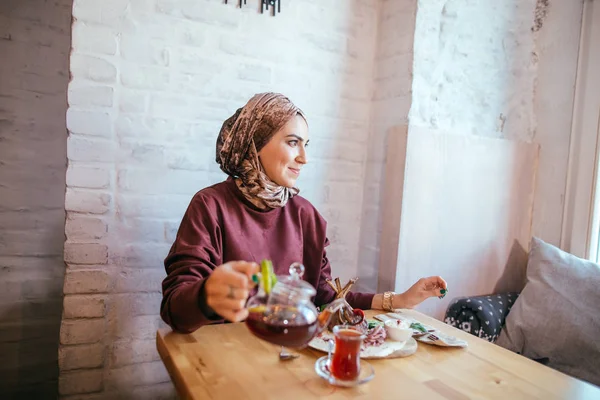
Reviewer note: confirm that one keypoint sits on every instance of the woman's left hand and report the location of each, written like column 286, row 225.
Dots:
column 423, row 289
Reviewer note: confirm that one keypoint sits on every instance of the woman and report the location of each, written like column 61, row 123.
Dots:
column 256, row 214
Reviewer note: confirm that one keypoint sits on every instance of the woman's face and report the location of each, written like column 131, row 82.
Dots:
column 285, row 154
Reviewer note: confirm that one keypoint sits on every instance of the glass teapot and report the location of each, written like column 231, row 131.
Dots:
column 285, row 314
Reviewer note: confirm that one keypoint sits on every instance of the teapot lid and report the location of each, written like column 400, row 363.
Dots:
column 294, row 281
column 296, row 284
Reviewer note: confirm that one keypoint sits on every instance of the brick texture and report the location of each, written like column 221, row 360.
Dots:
column 140, row 100
column 82, row 356
column 81, row 331
column 34, row 64
column 84, row 306
column 152, row 82
column 82, row 381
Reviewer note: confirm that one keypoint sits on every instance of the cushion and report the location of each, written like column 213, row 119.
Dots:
column 482, row 316
column 557, row 315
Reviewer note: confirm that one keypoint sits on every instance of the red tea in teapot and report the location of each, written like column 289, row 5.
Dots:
column 284, row 313
column 286, row 327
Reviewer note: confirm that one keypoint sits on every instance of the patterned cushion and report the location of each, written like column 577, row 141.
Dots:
column 482, row 316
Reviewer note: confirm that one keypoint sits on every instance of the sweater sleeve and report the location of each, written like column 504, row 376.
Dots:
column 326, row 294
column 193, row 256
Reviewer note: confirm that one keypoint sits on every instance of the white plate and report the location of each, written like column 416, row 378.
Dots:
column 388, row 349
column 435, row 337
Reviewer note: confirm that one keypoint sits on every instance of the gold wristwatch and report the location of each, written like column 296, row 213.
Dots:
column 387, row 301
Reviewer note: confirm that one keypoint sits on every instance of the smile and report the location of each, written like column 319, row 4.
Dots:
column 295, row 171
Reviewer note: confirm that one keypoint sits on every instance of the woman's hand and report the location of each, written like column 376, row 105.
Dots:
column 423, row 289
column 227, row 289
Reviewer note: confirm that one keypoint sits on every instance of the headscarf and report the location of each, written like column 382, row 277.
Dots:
column 243, row 135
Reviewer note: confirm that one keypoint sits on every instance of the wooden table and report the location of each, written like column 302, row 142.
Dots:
column 227, row 362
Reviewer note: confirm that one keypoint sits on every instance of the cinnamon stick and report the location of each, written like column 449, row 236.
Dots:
column 332, row 285
column 346, row 288
column 338, row 284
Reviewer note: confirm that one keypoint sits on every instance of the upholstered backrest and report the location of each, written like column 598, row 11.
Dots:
column 557, row 315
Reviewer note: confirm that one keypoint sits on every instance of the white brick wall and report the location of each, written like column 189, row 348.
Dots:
column 475, row 68
column 152, row 81
column 34, row 58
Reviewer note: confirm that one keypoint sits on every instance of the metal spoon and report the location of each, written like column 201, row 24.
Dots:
column 418, row 335
column 285, row 355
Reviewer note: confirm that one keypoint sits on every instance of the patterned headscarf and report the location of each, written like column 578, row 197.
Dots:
column 243, row 135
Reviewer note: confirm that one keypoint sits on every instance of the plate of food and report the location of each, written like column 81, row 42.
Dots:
column 377, row 344
column 421, row 332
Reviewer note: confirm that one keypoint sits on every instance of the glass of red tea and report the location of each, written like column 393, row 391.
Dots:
column 345, row 361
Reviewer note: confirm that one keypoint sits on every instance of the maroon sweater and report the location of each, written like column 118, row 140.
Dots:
column 220, row 225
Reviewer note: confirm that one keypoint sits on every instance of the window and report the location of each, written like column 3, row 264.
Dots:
column 581, row 219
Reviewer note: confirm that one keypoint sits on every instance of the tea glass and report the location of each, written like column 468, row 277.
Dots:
column 345, row 361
